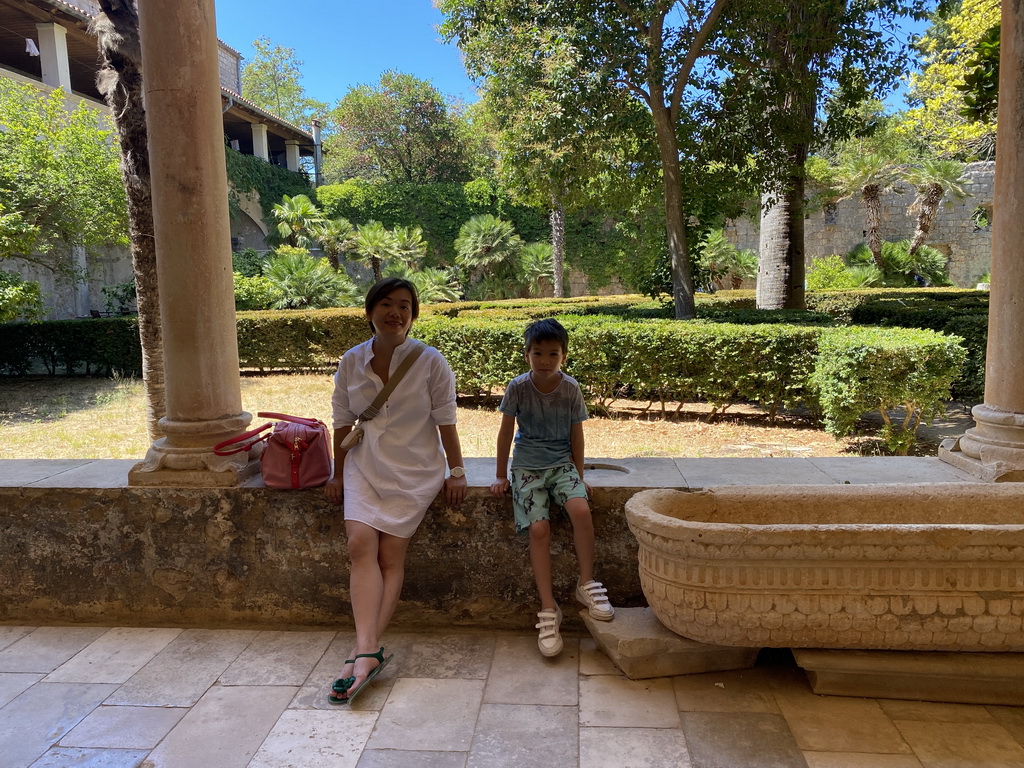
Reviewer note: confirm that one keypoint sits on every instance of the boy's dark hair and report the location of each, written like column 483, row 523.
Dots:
column 384, row 288
column 546, row 330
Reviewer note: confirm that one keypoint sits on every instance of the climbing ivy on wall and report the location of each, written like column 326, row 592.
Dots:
column 248, row 173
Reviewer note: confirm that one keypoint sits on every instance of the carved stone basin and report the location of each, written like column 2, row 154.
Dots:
column 937, row 567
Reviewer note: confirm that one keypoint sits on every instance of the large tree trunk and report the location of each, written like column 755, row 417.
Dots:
column 120, row 81
column 558, row 245
column 780, row 263
column 675, row 223
column 926, row 216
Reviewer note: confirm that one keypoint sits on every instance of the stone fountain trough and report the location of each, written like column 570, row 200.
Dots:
column 937, row 567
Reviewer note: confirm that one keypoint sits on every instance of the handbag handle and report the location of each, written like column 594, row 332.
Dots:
column 374, row 408
column 292, row 419
column 221, row 449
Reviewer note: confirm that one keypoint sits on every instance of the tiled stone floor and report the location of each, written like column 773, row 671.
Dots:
column 200, row 698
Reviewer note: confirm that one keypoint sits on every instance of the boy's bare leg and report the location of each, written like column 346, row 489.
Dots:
column 540, row 560
column 582, row 536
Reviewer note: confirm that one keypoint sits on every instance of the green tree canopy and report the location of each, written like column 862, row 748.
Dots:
column 60, row 178
column 271, row 81
column 950, row 52
column 401, row 129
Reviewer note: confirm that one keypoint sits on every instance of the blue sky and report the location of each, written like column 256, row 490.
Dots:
column 344, row 43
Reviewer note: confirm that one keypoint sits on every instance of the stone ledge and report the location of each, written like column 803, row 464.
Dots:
column 642, row 647
column 963, row 678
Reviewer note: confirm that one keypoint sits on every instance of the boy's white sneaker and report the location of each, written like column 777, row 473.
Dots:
column 594, row 596
column 549, row 641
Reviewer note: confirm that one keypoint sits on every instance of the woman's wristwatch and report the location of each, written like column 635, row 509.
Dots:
column 457, row 471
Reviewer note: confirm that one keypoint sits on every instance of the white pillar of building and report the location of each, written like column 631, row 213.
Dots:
column 260, row 146
column 994, row 448
column 291, row 154
column 53, row 55
column 193, row 249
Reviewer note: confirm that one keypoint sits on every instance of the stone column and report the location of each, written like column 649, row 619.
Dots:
column 291, row 154
column 53, row 56
column 260, row 147
column 994, row 448
column 193, row 249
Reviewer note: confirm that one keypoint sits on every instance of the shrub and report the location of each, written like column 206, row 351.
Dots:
column 303, row 282
column 248, row 263
column 830, row 273
column 864, row 369
column 255, row 292
column 19, row 299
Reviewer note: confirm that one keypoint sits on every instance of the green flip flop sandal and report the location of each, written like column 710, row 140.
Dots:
column 379, row 656
column 341, row 685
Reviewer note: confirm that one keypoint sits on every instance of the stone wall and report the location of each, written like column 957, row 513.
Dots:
column 259, row 557
column 841, row 227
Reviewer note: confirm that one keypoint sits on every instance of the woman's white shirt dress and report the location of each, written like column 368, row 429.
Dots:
column 398, row 468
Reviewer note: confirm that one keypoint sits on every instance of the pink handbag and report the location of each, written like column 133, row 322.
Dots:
column 297, row 453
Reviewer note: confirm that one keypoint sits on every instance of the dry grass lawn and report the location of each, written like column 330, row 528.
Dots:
column 44, row 418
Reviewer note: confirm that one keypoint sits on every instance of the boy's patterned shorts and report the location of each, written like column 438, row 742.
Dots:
column 533, row 490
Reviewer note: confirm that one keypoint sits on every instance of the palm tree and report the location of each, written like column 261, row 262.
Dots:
column 432, row 285
column 486, row 242
column 536, row 266
column 336, row 238
column 374, row 244
column 409, row 245
column 297, row 219
column 116, row 27
column 870, row 176
column 934, row 179
column 307, row 283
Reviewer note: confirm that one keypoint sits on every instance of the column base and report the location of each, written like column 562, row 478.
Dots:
column 184, row 456
column 993, row 450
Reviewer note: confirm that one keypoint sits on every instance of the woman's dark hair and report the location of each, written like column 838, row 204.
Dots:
column 384, row 288
column 546, row 330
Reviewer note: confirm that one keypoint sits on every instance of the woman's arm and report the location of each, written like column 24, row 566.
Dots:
column 335, row 486
column 454, row 487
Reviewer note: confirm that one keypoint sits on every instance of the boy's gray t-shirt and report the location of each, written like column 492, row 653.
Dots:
column 544, row 421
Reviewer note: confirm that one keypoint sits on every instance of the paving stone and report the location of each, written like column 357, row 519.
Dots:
column 15, row 473
column 105, row 473
column 737, row 691
column 79, row 757
column 39, row 718
column 114, row 656
column 397, row 758
column 711, row 473
column 839, row 724
column 617, row 702
column 877, row 470
column 520, row 675
column 10, row 635
column 277, row 658
column 183, row 671
column 594, row 661
column 932, row 711
column 224, row 729
column 855, row 760
column 1011, row 718
column 633, row 748
column 465, row 655
column 733, row 739
column 12, row 684
column 953, row 745
column 124, row 727
column 514, row 735
column 46, row 648
column 642, row 647
column 313, row 739
column 429, row 715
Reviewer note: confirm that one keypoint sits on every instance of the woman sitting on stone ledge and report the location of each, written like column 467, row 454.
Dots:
column 388, row 479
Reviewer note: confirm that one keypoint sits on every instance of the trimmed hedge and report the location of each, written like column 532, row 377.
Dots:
column 615, row 348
